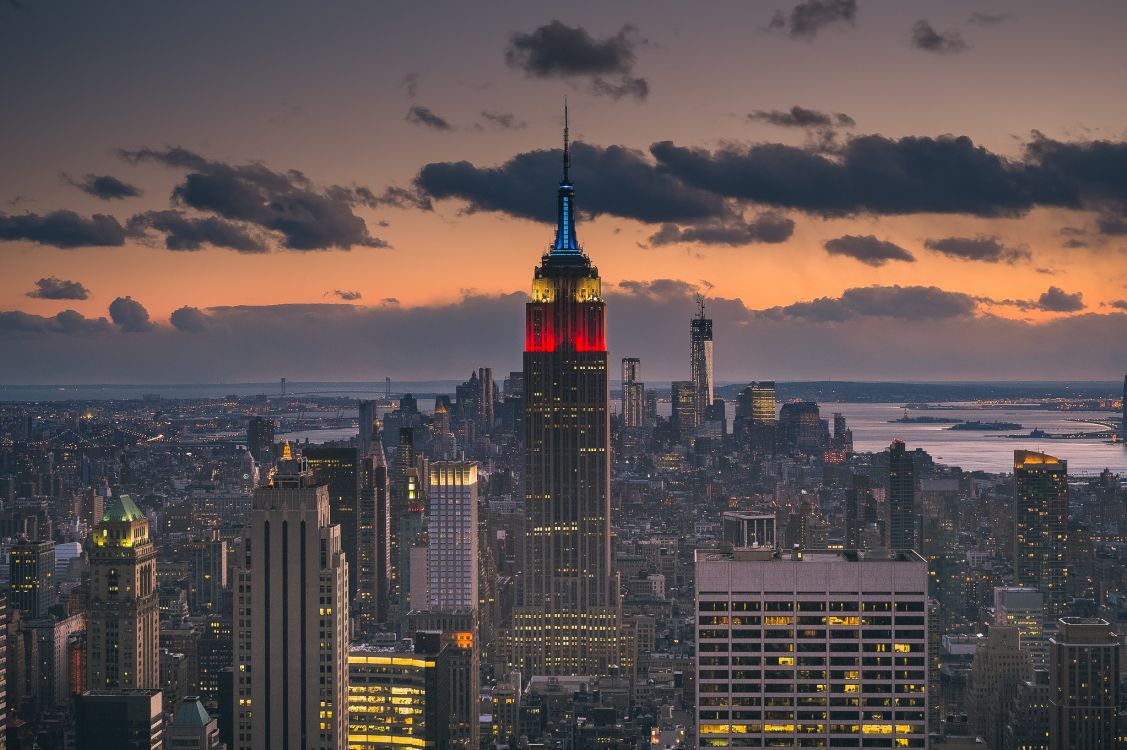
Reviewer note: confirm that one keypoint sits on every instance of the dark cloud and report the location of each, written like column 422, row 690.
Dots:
column 68, row 322
column 1119, row 304
column 395, row 197
column 105, row 187
column 556, row 50
column 190, row 320
column 613, row 180
column 182, row 232
column 410, row 84
column 767, row 227
column 987, row 19
column 910, row 303
column 287, row 203
column 808, row 18
column 867, row 249
column 1055, row 299
column 63, row 229
column 984, row 248
column 53, row 287
column 425, row 117
column 347, row 295
column 130, row 315
column 1111, row 224
column 503, row 120
column 253, row 343
column 800, row 117
column 925, row 37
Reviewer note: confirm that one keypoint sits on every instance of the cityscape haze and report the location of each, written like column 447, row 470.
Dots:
column 807, row 432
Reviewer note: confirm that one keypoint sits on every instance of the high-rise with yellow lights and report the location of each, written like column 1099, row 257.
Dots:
column 1041, row 528
column 566, row 620
column 291, row 612
column 123, row 616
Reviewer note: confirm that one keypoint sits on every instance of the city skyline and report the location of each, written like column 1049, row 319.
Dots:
column 974, row 235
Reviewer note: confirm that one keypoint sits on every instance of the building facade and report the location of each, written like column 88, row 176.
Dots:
column 123, row 613
column 811, row 649
column 902, row 520
column 1041, row 528
column 633, row 394
column 1084, row 664
column 700, row 363
column 452, row 558
column 292, row 625
column 566, row 619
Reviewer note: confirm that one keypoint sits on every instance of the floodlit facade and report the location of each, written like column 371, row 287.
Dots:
column 566, row 619
column 396, row 699
column 1041, row 528
column 811, row 649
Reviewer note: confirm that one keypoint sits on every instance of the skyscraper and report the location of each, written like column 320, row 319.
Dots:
column 291, row 610
column 700, row 362
column 485, row 400
column 1025, row 610
column 566, row 620
column 857, row 498
column 787, row 655
column 633, row 394
column 1123, row 426
column 901, row 498
column 123, row 615
column 1084, row 661
column 339, row 469
column 403, row 496
column 369, row 426
column 682, row 395
column 1041, row 528
column 373, row 557
column 260, row 438
column 452, row 562
column 31, row 577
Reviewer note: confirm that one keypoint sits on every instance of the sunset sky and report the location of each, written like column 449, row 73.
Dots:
column 351, row 190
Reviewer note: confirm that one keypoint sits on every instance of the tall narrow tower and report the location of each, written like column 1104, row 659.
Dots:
column 291, row 637
column 1041, row 528
column 123, row 618
column 566, row 621
column 700, row 362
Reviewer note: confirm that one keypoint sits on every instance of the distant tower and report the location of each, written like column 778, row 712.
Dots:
column 566, row 618
column 1084, row 664
column 373, row 557
column 1123, row 431
column 452, row 560
column 369, row 425
column 32, row 577
column 1041, row 528
column 633, row 394
column 283, row 386
column 260, row 438
column 485, row 400
column 700, row 362
column 682, row 396
column 291, row 610
column 123, row 616
column 901, row 498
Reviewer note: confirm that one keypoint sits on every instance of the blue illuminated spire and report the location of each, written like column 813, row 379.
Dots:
column 565, row 220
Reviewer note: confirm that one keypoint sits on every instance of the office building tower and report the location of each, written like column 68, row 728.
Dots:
column 633, row 394
column 123, row 614
column 700, row 362
column 755, row 421
column 811, row 649
column 339, row 469
column 486, row 397
column 1027, row 721
column 857, row 499
column 744, row 529
column 191, row 728
column 208, row 569
column 452, row 560
column 901, row 524
column 459, row 630
column 53, row 637
column 683, row 415
column 1084, row 664
column 370, row 429
column 998, row 668
column 566, row 620
column 1123, row 425
column 1041, row 528
column 31, row 581
column 291, row 614
column 800, row 427
column 373, row 557
column 398, row 698
column 119, row 720
column 404, row 495
column 1024, row 609
column 260, row 438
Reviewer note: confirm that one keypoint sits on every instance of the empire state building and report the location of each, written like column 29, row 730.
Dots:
column 566, row 619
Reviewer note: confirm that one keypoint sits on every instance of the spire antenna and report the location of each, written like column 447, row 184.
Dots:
column 566, row 149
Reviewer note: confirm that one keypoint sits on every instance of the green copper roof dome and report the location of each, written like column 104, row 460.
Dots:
column 123, row 510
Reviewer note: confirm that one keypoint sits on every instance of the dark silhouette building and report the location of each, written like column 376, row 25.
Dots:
column 901, row 498
column 260, row 438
